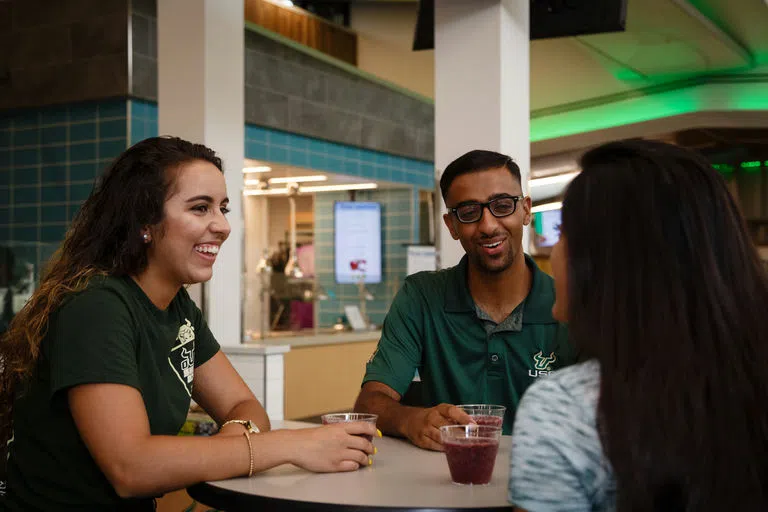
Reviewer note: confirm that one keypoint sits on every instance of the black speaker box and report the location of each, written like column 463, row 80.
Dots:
column 549, row 19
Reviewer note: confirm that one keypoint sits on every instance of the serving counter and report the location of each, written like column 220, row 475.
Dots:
column 305, row 375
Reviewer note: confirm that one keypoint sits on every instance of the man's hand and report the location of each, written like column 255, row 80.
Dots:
column 423, row 427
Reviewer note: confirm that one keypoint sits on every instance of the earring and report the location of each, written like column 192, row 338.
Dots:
column 146, row 238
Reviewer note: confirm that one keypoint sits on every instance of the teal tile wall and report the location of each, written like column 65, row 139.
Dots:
column 49, row 158
column 415, row 219
column 293, row 149
column 143, row 120
column 399, row 208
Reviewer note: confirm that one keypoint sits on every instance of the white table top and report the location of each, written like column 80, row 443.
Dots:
column 402, row 476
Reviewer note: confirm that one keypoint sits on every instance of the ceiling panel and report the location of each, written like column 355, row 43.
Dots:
column 565, row 71
column 745, row 20
column 664, row 39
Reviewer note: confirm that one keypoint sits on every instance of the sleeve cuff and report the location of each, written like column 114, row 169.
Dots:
column 388, row 380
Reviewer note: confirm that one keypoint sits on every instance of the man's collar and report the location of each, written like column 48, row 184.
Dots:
column 538, row 303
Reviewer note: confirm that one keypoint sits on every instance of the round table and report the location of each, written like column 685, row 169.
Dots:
column 402, row 478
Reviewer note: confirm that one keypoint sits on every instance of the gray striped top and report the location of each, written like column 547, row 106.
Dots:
column 557, row 461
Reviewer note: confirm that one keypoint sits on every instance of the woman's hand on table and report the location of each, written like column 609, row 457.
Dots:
column 331, row 448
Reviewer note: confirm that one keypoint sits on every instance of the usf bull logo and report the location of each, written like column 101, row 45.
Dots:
column 182, row 356
column 542, row 365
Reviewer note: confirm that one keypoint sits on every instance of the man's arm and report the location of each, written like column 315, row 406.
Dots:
column 419, row 425
column 392, row 366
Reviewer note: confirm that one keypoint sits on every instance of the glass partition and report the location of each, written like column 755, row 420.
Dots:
column 290, row 282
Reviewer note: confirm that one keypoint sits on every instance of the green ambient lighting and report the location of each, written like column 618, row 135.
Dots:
column 590, row 116
column 613, row 114
column 724, row 168
column 751, row 165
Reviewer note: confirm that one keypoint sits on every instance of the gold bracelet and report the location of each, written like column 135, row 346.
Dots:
column 248, row 424
column 250, row 453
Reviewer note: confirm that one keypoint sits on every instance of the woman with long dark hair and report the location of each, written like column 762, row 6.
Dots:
column 666, row 297
column 97, row 370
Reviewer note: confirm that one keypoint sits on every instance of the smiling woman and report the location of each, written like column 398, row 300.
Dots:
column 108, row 352
column 183, row 247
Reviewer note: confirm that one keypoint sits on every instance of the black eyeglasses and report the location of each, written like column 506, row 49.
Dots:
column 467, row 213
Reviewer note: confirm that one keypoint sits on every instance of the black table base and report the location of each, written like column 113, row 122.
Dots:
column 230, row 501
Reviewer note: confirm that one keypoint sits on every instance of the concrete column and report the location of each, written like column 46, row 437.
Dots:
column 482, row 98
column 201, row 98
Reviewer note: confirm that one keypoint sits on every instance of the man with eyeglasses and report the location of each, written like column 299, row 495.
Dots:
column 477, row 333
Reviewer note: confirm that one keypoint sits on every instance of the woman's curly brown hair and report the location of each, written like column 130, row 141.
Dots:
column 104, row 239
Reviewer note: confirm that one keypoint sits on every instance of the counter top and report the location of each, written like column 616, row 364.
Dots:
column 280, row 344
column 256, row 349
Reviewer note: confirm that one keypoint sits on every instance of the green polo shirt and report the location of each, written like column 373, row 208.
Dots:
column 462, row 356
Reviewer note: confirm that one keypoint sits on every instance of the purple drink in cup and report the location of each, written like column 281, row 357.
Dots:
column 487, row 419
column 485, row 414
column 346, row 417
column 471, row 452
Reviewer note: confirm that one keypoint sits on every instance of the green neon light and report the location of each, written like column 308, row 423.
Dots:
column 751, row 165
column 725, row 168
column 611, row 115
column 740, row 97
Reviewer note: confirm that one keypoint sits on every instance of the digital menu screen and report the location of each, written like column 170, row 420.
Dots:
column 547, row 226
column 357, row 242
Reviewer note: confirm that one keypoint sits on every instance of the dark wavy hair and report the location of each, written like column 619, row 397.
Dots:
column 666, row 290
column 104, row 239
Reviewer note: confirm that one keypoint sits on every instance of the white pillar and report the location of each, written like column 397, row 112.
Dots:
column 482, row 98
column 201, row 98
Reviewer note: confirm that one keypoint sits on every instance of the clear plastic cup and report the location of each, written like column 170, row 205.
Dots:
column 471, row 452
column 346, row 417
column 485, row 414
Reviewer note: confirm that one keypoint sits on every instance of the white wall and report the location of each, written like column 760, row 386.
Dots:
column 385, row 38
column 263, row 372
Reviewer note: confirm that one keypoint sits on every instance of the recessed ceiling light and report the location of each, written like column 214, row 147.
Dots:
column 297, row 179
column 552, row 180
column 320, row 188
column 546, row 207
column 331, row 188
column 258, row 168
column 266, row 192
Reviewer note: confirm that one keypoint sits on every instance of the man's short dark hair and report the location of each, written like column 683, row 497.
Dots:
column 475, row 161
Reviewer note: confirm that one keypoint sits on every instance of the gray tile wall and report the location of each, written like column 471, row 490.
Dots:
column 62, row 51
column 144, row 38
column 290, row 90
